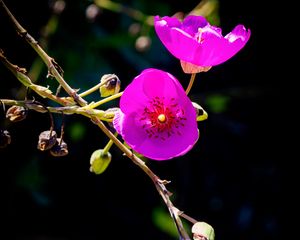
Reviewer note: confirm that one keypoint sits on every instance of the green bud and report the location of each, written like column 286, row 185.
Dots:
column 201, row 113
column 111, row 85
column 16, row 113
column 203, row 231
column 99, row 161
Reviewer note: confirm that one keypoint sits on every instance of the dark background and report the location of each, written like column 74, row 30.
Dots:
column 232, row 178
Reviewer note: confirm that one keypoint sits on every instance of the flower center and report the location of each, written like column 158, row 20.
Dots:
column 199, row 35
column 162, row 118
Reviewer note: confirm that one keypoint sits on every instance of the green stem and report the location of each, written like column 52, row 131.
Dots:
column 91, row 90
column 159, row 184
column 189, row 87
column 108, row 145
column 67, row 110
column 105, row 100
column 96, row 87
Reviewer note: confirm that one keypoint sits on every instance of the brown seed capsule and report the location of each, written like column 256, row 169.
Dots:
column 60, row 149
column 5, row 138
column 16, row 113
column 46, row 141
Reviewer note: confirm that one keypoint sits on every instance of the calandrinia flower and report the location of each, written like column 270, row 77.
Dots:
column 156, row 118
column 198, row 44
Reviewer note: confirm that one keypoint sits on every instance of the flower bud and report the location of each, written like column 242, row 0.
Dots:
column 16, row 113
column 60, row 149
column 203, row 231
column 46, row 141
column 201, row 113
column 5, row 138
column 111, row 86
column 99, row 161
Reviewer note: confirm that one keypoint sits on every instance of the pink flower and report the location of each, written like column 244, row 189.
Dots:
column 196, row 42
column 156, row 118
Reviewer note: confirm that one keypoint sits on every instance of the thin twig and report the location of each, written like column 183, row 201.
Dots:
column 94, row 114
column 20, row 74
column 156, row 180
column 53, row 68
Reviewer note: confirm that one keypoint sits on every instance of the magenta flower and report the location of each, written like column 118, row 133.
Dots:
column 196, row 42
column 156, row 118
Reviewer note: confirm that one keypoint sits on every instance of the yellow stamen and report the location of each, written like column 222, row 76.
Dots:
column 162, row 118
column 199, row 37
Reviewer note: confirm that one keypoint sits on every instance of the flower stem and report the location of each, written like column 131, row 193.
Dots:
column 96, row 87
column 108, row 145
column 159, row 184
column 189, row 87
column 91, row 90
column 105, row 100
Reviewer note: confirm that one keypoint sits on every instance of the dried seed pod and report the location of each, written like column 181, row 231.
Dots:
column 47, row 140
column 16, row 113
column 111, row 85
column 5, row 138
column 60, row 149
column 99, row 161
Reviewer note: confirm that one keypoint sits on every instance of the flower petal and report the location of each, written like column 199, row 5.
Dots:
column 155, row 92
column 178, row 42
column 197, row 42
column 157, row 148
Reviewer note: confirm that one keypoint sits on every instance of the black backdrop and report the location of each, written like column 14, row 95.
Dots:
column 231, row 179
